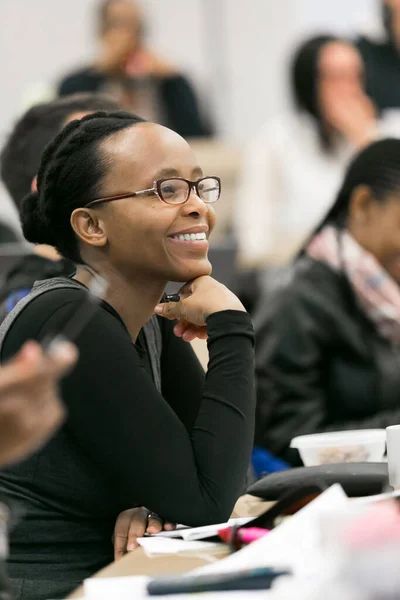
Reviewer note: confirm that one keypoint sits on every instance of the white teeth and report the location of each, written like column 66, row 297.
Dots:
column 190, row 237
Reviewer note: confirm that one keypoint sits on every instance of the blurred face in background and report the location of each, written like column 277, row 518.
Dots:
column 340, row 76
column 122, row 19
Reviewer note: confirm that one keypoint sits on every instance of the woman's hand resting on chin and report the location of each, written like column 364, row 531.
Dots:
column 200, row 298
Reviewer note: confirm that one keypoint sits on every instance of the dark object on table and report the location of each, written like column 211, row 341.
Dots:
column 253, row 579
column 357, row 479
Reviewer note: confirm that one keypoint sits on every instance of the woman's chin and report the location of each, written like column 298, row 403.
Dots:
column 192, row 271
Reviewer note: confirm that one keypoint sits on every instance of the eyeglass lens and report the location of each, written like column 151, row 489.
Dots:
column 176, row 191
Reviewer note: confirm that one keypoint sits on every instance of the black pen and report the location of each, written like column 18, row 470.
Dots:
column 171, row 298
column 252, row 579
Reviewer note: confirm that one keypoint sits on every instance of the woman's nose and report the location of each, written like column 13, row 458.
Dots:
column 195, row 204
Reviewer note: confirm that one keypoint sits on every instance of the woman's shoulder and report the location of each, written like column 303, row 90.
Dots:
column 315, row 281
column 311, row 288
column 49, row 312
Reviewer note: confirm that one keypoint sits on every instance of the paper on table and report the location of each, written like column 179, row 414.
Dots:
column 126, row 588
column 199, row 533
column 293, row 544
column 154, row 545
column 116, row 587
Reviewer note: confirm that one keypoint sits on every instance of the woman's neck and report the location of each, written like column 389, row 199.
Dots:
column 134, row 301
column 47, row 252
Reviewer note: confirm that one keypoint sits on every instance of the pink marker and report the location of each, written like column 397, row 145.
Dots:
column 252, row 534
column 243, row 536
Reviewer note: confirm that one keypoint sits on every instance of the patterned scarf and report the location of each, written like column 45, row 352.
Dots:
column 377, row 293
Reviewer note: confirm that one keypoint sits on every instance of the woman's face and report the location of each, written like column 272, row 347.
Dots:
column 376, row 226
column 141, row 232
column 340, row 73
column 123, row 19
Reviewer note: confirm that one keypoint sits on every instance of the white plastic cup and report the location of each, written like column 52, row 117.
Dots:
column 393, row 455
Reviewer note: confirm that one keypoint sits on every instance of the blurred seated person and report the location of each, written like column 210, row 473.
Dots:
column 382, row 59
column 328, row 349
column 141, row 81
column 20, row 159
column 294, row 166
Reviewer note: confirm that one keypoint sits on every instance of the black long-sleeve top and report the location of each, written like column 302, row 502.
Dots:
column 183, row 453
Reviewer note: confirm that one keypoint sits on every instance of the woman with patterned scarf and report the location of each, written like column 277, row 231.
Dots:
column 329, row 340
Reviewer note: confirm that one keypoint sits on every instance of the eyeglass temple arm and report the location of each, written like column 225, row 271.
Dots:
column 153, row 189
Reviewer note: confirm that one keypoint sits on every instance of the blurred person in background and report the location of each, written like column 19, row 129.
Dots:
column 140, row 80
column 328, row 342
column 293, row 167
column 19, row 163
column 382, row 59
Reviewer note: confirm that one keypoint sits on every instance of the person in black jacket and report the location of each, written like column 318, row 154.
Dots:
column 141, row 81
column 382, row 60
column 126, row 199
column 328, row 341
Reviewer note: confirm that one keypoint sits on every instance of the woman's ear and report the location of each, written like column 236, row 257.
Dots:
column 361, row 203
column 88, row 227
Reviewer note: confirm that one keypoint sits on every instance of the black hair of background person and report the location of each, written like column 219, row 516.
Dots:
column 304, row 80
column 20, row 156
column 61, row 188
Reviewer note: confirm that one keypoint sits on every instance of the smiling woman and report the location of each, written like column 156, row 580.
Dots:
column 126, row 199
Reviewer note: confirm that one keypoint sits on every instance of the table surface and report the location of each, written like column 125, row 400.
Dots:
column 137, row 563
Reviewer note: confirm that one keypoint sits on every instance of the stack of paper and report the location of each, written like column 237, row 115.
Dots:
column 154, row 545
column 201, row 533
column 295, row 544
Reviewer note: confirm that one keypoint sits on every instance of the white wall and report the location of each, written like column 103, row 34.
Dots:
column 235, row 51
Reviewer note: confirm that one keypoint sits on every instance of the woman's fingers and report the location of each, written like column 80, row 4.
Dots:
column 170, row 310
column 155, row 524
column 137, row 527
column 133, row 524
column 130, row 525
column 120, row 543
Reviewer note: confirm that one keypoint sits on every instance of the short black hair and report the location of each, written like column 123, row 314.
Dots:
column 304, row 80
column 20, row 156
column 69, row 177
column 376, row 166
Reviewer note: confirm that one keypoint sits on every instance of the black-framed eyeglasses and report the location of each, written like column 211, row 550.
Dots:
column 174, row 190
